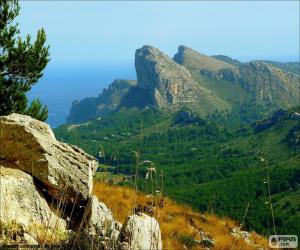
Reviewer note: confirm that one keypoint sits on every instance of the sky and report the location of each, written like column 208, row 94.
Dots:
column 109, row 32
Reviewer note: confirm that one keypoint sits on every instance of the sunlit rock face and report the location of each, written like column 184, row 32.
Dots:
column 30, row 146
column 168, row 83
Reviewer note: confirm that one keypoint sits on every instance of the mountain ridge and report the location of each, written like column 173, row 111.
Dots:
column 205, row 84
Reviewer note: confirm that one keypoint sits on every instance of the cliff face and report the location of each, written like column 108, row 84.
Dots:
column 168, row 85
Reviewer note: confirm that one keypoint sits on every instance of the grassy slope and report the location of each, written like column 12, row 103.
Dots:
column 180, row 225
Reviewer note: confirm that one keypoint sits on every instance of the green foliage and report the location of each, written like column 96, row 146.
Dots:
column 210, row 167
column 21, row 63
column 37, row 110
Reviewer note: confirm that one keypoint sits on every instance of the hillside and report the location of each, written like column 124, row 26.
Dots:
column 267, row 85
column 199, row 230
column 197, row 156
column 290, row 67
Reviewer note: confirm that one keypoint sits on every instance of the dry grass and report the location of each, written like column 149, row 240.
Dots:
column 180, row 225
column 12, row 234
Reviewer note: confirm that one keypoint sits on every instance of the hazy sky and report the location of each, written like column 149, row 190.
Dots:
column 110, row 31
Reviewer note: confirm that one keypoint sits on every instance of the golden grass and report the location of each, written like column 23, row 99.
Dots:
column 12, row 233
column 177, row 222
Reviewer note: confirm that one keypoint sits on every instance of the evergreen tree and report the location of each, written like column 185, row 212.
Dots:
column 21, row 64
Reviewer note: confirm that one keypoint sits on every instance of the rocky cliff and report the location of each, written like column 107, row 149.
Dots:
column 168, row 85
column 46, row 194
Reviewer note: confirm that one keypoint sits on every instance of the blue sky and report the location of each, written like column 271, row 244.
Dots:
column 109, row 32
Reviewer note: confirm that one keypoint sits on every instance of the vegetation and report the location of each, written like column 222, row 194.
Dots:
column 210, row 166
column 21, row 64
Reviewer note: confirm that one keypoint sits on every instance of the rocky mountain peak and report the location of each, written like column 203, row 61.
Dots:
column 168, row 83
column 195, row 60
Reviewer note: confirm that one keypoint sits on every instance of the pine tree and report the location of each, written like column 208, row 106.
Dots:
column 21, row 64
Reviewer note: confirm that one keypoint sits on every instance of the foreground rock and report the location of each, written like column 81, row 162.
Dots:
column 140, row 232
column 101, row 224
column 24, row 207
column 30, row 145
column 45, row 194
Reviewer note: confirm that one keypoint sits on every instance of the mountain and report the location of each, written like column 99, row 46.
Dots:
column 266, row 84
column 167, row 84
column 243, row 92
column 194, row 60
column 291, row 67
column 106, row 102
column 227, row 59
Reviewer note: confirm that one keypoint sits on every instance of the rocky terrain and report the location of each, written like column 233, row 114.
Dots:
column 46, row 194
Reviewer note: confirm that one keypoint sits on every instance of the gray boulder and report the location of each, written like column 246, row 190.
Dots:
column 101, row 224
column 140, row 232
column 23, row 206
column 30, row 145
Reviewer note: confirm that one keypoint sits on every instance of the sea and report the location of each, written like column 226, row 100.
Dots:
column 61, row 84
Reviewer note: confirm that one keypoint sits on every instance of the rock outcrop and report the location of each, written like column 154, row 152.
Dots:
column 30, row 145
column 166, row 84
column 45, row 193
column 140, row 232
column 101, row 224
column 23, row 205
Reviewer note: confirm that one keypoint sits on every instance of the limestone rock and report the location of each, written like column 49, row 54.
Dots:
column 23, row 206
column 140, row 232
column 101, row 225
column 100, row 218
column 30, row 145
column 169, row 83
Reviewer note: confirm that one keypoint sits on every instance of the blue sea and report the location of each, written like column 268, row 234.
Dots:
column 62, row 84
